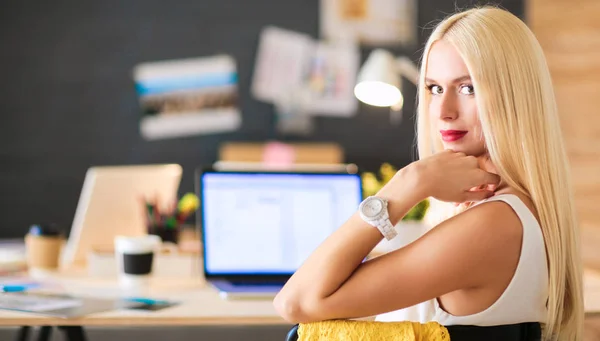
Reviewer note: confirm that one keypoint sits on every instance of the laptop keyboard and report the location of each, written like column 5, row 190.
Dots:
column 257, row 283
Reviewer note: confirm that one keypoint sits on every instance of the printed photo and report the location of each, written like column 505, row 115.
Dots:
column 187, row 97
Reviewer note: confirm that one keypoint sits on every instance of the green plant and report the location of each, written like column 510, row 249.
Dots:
column 373, row 182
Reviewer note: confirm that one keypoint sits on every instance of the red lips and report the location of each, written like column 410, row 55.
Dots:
column 452, row 135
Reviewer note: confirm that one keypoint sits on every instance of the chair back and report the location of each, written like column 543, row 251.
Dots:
column 529, row 331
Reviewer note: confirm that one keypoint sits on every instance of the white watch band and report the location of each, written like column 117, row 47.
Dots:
column 381, row 221
column 386, row 228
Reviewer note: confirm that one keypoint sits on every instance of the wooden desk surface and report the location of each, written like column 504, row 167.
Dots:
column 199, row 305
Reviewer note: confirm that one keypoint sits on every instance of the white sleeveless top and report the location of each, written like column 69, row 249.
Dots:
column 524, row 300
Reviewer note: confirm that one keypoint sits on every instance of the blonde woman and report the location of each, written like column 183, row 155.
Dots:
column 489, row 139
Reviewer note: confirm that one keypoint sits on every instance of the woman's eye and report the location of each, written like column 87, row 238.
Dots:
column 436, row 89
column 467, row 90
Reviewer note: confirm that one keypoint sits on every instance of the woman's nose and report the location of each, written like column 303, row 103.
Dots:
column 448, row 110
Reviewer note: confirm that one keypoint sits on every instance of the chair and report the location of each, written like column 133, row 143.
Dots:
column 530, row 331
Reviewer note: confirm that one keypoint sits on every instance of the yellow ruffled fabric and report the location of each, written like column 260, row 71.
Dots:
column 348, row 330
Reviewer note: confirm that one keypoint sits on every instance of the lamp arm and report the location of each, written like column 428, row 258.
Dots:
column 405, row 67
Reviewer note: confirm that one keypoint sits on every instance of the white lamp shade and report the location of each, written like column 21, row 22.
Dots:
column 378, row 83
column 378, row 94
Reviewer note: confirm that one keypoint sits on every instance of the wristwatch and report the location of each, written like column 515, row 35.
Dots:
column 373, row 210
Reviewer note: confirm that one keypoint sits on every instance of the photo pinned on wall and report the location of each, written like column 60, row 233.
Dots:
column 280, row 63
column 331, row 76
column 186, row 97
column 304, row 78
column 369, row 22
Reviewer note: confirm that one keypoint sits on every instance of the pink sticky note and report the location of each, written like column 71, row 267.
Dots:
column 279, row 154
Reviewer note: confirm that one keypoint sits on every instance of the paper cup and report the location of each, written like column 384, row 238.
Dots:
column 44, row 244
column 135, row 258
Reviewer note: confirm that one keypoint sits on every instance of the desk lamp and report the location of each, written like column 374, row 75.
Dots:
column 378, row 81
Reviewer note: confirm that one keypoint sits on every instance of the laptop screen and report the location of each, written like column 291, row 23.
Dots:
column 269, row 223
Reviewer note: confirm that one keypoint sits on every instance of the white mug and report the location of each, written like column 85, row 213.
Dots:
column 135, row 258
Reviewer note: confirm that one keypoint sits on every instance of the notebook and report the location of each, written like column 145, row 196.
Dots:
column 258, row 227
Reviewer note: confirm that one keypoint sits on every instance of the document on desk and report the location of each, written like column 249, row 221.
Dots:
column 58, row 305
column 36, row 303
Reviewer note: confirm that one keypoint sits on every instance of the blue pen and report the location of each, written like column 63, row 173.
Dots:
column 16, row 287
column 148, row 301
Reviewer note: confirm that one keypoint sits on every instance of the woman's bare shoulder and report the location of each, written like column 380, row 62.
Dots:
column 487, row 237
column 524, row 198
column 492, row 218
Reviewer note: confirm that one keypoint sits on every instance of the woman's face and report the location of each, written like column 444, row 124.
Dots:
column 452, row 109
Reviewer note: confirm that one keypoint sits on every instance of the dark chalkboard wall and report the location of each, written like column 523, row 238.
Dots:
column 67, row 100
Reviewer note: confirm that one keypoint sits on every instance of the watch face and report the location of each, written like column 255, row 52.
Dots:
column 372, row 207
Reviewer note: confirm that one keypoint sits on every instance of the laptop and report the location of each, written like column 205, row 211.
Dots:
column 258, row 227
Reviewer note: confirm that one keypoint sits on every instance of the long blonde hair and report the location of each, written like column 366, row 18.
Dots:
column 520, row 124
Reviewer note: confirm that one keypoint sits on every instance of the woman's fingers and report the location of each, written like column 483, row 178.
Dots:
column 456, row 177
column 491, row 179
column 483, row 179
column 478, row 195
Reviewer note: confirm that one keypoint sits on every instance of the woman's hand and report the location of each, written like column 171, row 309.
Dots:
column 454, row 177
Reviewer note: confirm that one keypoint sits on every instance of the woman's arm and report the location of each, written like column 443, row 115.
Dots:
column 335, row 274
column 332, row 263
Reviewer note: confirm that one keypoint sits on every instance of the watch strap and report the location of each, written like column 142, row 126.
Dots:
column 386, row 228
column 383, row 223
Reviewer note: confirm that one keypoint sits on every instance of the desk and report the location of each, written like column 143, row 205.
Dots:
column 200, row 305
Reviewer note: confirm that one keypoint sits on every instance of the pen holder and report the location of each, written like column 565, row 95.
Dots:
column 166, row 233
column 166, row 223
column 43, row 244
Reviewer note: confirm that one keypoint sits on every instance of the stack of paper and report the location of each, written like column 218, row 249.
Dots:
column 12, row 257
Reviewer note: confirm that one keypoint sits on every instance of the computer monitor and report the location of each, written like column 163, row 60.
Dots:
column 111, row 204
column 267, row 223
